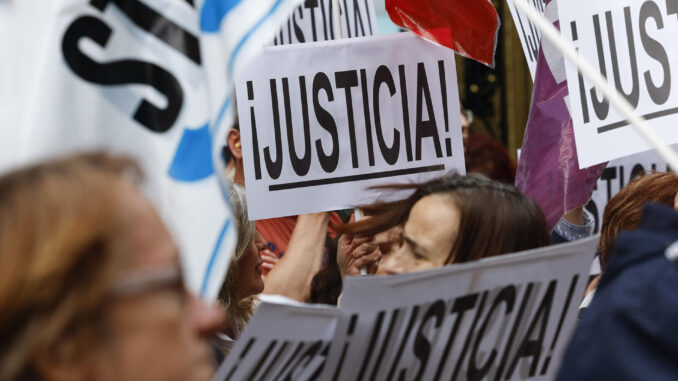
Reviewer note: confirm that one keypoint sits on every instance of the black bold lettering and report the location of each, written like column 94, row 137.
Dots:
column 255, row 138
column 462, row 355
column 406, row 335
column 123, row 72
column 507, row 296
column 368, row 118
column 158, row 25
column 351, row 329
column 390, row 154
column 529, row 347
column 328, row 162
column 634, row 94
column 347, row 80
column 384, row 345
column 242, row 355
column 514, row 330
column 370, row 347
column 311, row 5
column 422, row 347
column 461, row 305
column 570, row 293
column 298, row 32
column 659, row 94
column 428, row 128
column 609, row 174
column 302, row 164
column 406, row 112
column 274, row 168
column 600, row 107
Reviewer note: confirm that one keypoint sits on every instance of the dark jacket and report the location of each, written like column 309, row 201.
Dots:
column 630, row 331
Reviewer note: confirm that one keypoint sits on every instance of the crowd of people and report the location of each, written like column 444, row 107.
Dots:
column 91, row 285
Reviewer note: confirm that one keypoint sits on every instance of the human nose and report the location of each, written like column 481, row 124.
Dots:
column 206, row 319
column 394, row 263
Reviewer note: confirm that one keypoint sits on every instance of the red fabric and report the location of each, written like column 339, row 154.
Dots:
column 468, row 27
column 278, row 231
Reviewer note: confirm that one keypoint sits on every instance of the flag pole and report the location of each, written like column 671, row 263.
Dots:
column 642, row 127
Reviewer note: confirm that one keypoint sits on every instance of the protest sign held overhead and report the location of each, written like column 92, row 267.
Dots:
column 631, row 42
column 506, row 318
column 282, row 342
column 357, row 113
column 530, row 36
column 313, row 21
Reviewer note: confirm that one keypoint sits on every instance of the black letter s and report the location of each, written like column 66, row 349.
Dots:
column 123, row 72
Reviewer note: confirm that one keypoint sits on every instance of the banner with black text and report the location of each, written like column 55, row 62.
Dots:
column 508, row 318
column 330, row 119
column 632, row 44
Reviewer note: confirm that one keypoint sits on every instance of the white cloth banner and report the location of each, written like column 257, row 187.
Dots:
column 529, row 35
column 129, row 76
column 330, row 119
column 632, row 43
column 283, row 341
column 508, row 318
column 313, row 21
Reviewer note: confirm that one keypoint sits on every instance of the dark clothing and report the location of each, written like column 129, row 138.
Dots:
column 630, row 331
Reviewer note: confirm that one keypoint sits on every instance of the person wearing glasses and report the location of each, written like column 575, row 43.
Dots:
column 90, row 280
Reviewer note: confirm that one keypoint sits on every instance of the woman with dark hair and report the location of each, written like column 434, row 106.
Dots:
column 452, row 219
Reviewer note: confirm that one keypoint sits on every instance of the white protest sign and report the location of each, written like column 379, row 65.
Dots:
column 633, row 45
column 281, row 342
column 313, row 21
column 508, row 318
column 617, row 175
column 529, row 35
column 330, row 119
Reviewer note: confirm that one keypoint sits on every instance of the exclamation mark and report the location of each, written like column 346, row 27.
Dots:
column 545, row 367
column 443, row 92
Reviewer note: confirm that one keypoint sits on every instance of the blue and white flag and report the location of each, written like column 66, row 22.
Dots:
column 148, row 78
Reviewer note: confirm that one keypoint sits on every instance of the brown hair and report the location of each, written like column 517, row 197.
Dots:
column 56, row 256
column 495, row 217
column 489, row 157
column 624, row 210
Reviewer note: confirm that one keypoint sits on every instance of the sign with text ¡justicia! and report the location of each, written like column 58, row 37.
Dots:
column 632, row 43
column 504, row 318
column 331, row 119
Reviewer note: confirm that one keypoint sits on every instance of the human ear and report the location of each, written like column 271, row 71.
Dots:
column 234, row 144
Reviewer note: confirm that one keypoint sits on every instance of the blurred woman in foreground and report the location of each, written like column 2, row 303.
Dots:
column 90, row 281
column 452, row 219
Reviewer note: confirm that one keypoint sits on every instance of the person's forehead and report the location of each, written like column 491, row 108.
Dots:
column 142, row 233
column 433, row 221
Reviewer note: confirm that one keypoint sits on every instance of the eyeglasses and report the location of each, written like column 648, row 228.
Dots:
column 139, row 281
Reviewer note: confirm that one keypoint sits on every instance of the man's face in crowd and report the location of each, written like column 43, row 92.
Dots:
column 427, row 237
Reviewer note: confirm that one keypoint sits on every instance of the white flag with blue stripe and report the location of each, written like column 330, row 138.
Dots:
column 131, row 76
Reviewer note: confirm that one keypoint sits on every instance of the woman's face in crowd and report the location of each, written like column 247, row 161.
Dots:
column 427, row 237
column 157, row 331
column 248, row 278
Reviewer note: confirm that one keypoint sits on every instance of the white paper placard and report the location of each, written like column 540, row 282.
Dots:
column 330, row 119
column 633, row 45
column 282, row 341
column 508, row 318
column 617, row 175
column 529, row 35
column 313, row 22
